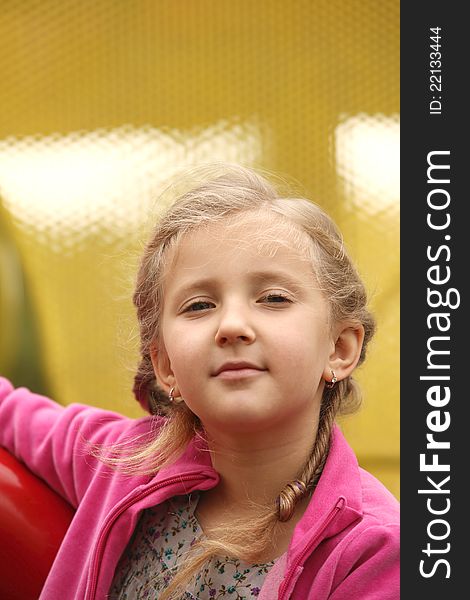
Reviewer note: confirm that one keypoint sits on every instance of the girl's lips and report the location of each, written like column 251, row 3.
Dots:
column 241, row 373
column 238, row 369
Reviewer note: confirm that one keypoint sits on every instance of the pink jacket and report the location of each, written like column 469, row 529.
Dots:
column 345, row 547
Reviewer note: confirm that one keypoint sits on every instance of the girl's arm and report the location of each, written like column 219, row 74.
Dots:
column 54, row 441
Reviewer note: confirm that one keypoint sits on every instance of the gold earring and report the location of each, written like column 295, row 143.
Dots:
column 171, row 396
column 334, row 379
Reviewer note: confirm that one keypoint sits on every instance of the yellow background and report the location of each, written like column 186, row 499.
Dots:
column 100, row 100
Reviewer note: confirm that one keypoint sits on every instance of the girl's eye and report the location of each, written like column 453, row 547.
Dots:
column 275, row 299
column 198, row 305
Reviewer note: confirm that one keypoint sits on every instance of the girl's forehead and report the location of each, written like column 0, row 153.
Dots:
column 261, row 231
column 239, row 249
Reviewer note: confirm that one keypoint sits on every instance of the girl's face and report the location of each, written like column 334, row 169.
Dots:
column 246, row 334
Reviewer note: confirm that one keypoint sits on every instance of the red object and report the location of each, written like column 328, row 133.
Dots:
column 33, row 522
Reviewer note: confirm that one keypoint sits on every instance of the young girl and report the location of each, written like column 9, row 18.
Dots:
column 240, row 485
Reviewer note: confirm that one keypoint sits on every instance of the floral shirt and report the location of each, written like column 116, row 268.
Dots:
column 162, row 537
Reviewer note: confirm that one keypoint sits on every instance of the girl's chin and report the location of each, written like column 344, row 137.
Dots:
column 241, row 420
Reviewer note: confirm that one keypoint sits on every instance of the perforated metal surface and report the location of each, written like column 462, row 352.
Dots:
column 101, row 100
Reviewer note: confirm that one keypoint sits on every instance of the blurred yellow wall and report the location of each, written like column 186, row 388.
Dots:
column 101, row 100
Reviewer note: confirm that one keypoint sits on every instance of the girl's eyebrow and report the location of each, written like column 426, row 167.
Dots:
column 197, row 285
column 277, row 276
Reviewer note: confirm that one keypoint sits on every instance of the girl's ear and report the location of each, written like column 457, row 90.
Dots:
column 162, row 367
column 347, row 351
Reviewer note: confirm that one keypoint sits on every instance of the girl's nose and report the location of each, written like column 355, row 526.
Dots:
column 234, row 327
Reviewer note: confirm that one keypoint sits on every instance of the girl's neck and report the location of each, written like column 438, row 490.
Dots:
column 256, row 470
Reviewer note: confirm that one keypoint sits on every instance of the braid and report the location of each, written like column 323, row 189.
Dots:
column 308, row 479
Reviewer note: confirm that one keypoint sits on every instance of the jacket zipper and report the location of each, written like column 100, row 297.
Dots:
column 307, row 550
column 111, row 520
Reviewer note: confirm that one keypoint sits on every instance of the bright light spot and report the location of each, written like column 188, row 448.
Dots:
column 108, row 178
column 368, row 160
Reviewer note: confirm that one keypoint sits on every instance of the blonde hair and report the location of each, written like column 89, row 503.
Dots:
column 211, row 194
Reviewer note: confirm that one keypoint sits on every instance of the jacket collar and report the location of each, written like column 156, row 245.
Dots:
column 339, row 486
